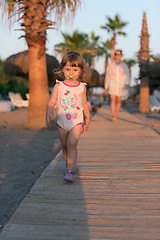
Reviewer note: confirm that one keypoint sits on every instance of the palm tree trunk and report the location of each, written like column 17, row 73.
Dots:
column 106, row 64
column 93, row 63
column 38, row 88
column 113, row 43
column 144, row 104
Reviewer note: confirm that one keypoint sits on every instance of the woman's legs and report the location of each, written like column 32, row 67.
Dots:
column 115, row 105
column 118, row 106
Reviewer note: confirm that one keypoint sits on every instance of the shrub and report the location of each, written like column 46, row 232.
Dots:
column 12, row 84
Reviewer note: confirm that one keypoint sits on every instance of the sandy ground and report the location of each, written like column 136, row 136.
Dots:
column 24, row 154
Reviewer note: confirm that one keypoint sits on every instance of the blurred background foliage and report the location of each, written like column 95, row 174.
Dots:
column 12, row 83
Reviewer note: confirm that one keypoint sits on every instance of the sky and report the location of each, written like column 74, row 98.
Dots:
column 89, row 18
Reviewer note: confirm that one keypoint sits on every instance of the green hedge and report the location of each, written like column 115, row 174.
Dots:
column 12, row 84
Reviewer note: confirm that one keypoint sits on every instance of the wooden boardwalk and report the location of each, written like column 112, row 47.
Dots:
column 116, row 193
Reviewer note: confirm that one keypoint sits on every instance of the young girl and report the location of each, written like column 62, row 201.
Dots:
column 70, row 98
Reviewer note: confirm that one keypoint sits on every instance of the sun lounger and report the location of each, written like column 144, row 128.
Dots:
column 17, row 100
column 18, row 96
column 27, row 96
column 154, row 104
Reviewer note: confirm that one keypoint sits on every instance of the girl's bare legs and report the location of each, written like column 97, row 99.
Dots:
column 69, row 142
column 72, row 142
column 63, row 137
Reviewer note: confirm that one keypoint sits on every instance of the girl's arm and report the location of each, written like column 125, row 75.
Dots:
column 51, row 104
column 86, row 109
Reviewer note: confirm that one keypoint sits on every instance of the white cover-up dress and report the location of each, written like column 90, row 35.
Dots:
column 117, row 76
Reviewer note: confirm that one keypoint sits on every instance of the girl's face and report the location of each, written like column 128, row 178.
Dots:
column 71, row 73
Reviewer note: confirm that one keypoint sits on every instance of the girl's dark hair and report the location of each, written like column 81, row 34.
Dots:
column 75, row 60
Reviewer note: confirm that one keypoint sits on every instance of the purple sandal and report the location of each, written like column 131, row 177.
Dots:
column 69, row 175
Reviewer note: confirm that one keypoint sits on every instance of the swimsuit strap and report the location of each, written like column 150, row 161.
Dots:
column 84, row 84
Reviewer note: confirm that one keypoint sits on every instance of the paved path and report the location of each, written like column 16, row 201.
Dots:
column 116, row 193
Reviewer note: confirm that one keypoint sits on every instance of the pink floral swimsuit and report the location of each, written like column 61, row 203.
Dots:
column 69, row 105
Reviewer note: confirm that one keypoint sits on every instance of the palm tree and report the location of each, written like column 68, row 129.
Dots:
column 155, row 57
column 86, row 45
column 114, row 27
column 144, row 105
column 130, row 62
column 75, row 42
column 32, row 16
column 93, row 49
column 106, row 48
